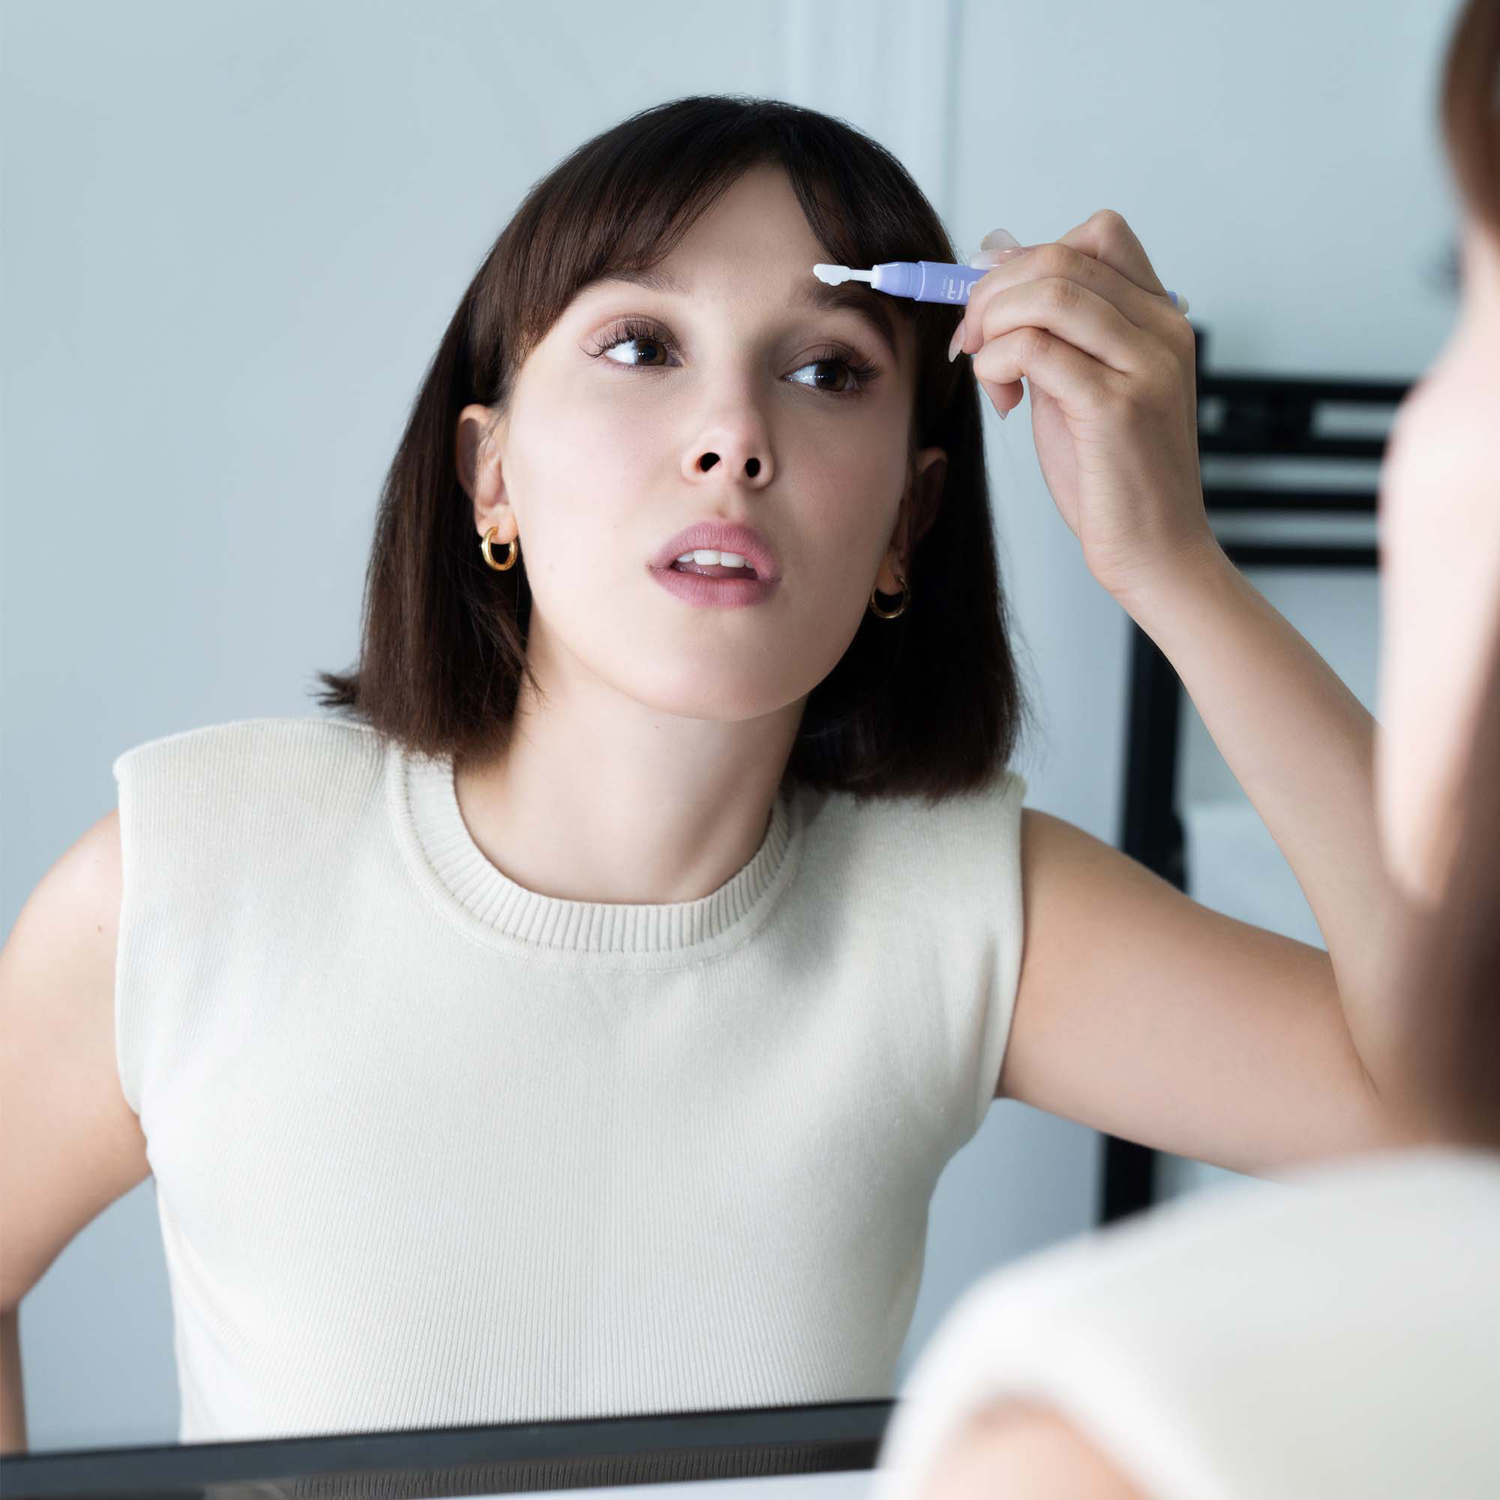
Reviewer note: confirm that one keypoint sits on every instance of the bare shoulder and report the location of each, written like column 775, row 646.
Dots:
column 1051, row 841
column 1028, row 1452
column 1065, row 875
column 1067, row 882
column 76, row 904
column 73, row 1142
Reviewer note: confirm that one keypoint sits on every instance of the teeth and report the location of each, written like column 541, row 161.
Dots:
column 706, row 557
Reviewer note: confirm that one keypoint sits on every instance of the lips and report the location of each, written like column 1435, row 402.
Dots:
column 722, row 536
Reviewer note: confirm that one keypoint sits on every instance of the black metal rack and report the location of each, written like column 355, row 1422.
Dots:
column 1258, row 416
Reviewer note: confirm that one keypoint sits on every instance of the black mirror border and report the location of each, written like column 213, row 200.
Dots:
column 674, row 1447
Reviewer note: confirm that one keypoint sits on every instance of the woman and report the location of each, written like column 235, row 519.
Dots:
column 580, row 1024
column 1343, row 1338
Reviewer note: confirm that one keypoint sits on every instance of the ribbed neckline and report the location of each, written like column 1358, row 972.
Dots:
column 499, row 913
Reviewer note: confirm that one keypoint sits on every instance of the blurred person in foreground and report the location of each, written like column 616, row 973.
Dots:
column 1338, row 1334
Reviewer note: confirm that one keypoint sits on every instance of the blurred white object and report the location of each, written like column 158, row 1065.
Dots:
column 1338, row 1335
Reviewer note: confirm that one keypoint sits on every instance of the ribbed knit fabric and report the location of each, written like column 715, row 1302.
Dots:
column 432, row 1149
column 1332, row 1335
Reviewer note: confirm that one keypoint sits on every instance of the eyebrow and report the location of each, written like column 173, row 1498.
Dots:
column 851, row 296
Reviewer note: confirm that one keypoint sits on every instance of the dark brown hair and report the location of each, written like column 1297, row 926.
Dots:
column 926, row 703
column 1449, row 972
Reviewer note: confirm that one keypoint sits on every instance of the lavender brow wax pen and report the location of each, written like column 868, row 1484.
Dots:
column 924, row 280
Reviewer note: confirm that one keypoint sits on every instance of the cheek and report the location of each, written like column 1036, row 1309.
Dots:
column 849, row 489
column 594, row 481
column 592, row 441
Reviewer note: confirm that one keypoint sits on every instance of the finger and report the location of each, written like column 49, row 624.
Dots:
column 1142, row 308
column 1110, row 240
column 1065, row 308
column 1079, row 382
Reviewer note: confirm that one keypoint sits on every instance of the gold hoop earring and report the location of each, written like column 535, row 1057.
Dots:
column 883, row 614
column 489, row 557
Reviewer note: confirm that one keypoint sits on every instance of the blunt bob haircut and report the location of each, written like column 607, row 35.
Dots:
column 926, row 703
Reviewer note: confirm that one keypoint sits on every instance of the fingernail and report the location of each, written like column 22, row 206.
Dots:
column 955, row 342
column 998, row 239
column 994, row 241
column 998, row 257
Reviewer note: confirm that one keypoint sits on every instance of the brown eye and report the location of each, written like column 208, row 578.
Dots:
column 650, row 343
column 837, row 364
column 632, row 333
column 855, row 367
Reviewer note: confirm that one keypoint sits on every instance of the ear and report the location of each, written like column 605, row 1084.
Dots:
column 920, row 510
column 931, row 477
column 477, row 449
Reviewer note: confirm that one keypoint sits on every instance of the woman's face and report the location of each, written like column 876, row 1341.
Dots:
column 1440, row 560
column 601, row 456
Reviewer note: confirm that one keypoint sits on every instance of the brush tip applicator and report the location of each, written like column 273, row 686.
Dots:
column 838, row 275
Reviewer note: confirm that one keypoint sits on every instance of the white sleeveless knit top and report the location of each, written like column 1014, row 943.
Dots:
column 432, row 1149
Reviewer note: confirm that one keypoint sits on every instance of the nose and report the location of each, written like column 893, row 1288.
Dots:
column 709, row 459
column 737, row 444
